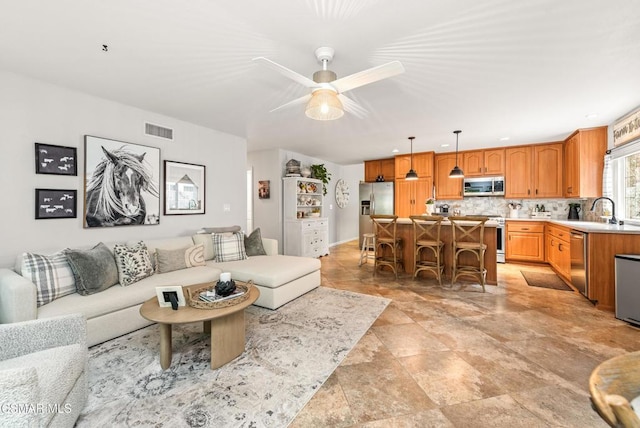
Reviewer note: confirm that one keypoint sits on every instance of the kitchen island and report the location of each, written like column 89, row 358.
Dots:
column 405, row 231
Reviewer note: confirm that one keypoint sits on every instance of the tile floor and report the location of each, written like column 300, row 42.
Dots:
column 516, row 356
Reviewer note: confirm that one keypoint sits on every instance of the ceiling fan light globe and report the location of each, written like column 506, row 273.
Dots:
column 324, row 105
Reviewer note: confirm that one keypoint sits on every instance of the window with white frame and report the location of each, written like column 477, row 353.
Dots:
column 626, row 181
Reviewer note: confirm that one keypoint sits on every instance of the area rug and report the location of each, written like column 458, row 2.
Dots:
column 289, row 354
column 544, row 280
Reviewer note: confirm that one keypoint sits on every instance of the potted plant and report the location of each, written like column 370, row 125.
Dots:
column 430, row 205
column 320, row 172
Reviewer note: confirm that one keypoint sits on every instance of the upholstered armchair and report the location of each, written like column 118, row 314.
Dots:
column 43, row 372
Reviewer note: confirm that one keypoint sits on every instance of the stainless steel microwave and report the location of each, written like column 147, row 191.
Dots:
column 484, row 186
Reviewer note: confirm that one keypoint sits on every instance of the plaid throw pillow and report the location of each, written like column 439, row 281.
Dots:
column 133, row 263
column 51, row 275
column 228, row 248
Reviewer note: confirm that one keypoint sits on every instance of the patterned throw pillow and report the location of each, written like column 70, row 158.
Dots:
column 228, row 248
column 51, row 275
column 133, row 263
column 182, row 258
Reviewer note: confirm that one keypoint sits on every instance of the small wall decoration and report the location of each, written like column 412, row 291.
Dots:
column 121, row 183
column 627, row 128
column 57, row 160
column 184, row 188
column 56, row 203
column 264, row 189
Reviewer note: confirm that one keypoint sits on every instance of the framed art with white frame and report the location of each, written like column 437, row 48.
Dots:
column 165, row 294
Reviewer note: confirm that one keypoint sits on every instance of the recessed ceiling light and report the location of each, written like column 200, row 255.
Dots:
column 504, row 139
column 395, row 151
column 444, row 145
column 591, row 116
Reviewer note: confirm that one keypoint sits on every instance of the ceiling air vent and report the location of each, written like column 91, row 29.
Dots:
column 158, row 131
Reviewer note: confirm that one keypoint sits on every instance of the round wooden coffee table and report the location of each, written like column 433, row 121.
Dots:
column 226, row 326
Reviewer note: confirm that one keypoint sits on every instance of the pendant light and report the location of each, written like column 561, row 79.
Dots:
column 456, row 172
column 411, row 175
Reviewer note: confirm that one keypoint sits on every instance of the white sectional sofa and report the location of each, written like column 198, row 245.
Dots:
column 115, row 311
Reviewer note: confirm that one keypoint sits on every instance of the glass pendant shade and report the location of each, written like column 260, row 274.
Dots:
column 324, row 105
column 456, row 172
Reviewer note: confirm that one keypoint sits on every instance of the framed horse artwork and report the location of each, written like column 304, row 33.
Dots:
column 122, row 182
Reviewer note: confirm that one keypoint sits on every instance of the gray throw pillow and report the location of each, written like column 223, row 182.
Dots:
column 94, row 270
column 253, row 244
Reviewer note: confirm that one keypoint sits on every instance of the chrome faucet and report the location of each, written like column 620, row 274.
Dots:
column 612, row 220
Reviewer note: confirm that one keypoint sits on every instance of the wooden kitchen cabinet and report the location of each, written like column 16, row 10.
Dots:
column 558, row 250
column 584, row 152
column 379, row 167
column 601, row 275
column 410, row 196
column 534, row 171
column 422, row 165
column 446, row 188
column 478, row 163
column 525, row 241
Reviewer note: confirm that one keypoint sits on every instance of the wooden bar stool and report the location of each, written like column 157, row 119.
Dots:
column 368, row 251
column 426, row 237
column 467, row 236
column 384, row 227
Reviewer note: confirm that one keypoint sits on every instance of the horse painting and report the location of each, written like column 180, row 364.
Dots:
column 114, row 190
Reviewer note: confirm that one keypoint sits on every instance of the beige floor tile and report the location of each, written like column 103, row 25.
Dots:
column 495, row 412
column 407, row 339
column 515, row 356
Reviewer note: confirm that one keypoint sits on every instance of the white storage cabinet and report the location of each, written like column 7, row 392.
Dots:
column 306, row 230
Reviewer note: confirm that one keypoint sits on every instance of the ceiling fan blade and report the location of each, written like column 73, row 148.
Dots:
column 302, row 100
column 305, row 81
column 370, row 75
column 352, row 107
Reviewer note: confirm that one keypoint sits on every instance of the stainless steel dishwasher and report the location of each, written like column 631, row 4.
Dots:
column 579, row 261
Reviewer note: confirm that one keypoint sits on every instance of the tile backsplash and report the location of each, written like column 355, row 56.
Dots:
column 559, row 208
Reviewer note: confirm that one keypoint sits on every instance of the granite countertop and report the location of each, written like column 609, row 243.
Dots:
column 446, row 222
column 587, row 226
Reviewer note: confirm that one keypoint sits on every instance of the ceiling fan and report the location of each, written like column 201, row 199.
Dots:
column 327, row 100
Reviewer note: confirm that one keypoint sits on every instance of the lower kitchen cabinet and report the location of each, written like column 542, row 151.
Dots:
column 559, row 250
column 308, row 237
column 525, row 241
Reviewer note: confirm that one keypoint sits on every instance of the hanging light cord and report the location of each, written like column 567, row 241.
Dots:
column 411, row 160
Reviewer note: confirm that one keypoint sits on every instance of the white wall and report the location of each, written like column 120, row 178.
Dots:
column 271, row 165
column 33, row 111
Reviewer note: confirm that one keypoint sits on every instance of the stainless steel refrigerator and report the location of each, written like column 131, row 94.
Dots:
column 375, row 198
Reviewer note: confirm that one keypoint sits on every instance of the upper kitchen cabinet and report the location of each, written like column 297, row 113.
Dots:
column 446, row 188
column 534, row 171
column 584, row 152
column 478, row 163
column 422, row 165
column 379, row 167
column 411, row 195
